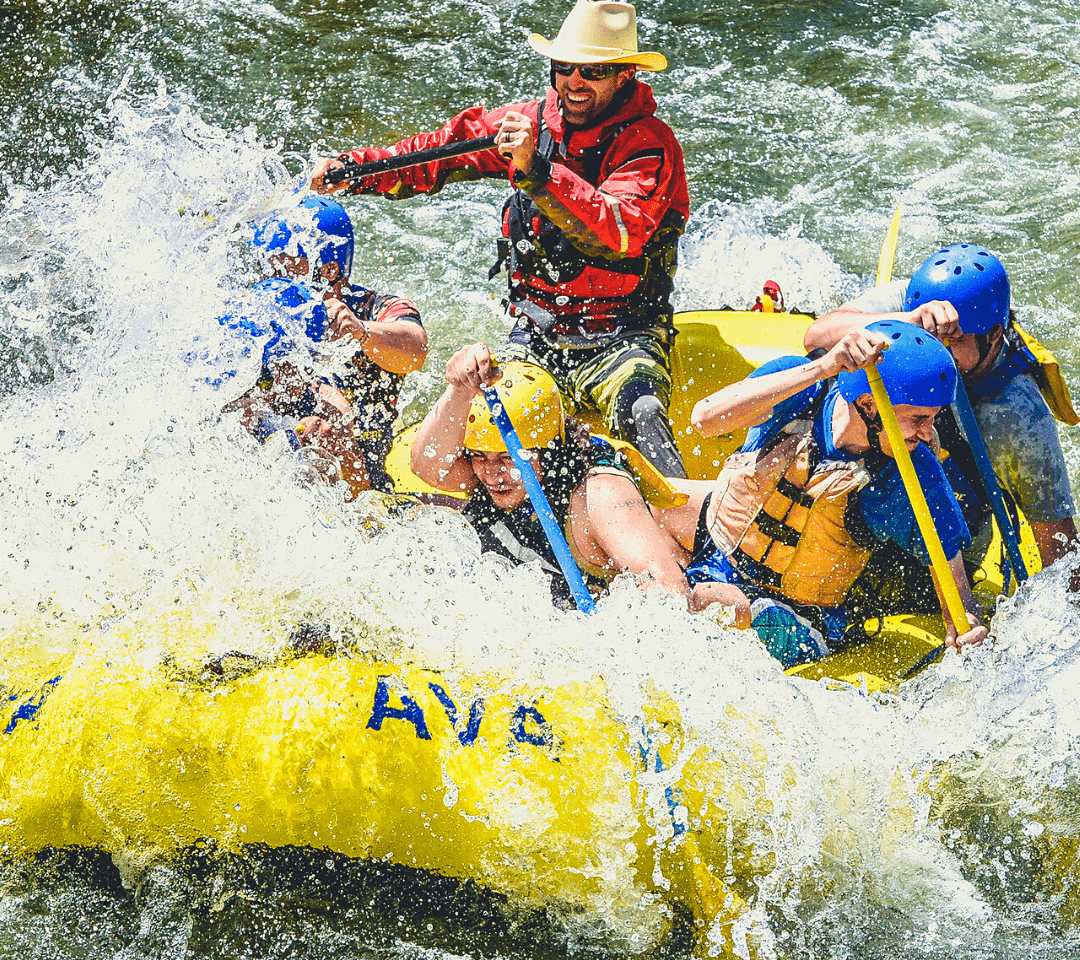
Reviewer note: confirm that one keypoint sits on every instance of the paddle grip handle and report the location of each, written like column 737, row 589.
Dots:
column 354, row 172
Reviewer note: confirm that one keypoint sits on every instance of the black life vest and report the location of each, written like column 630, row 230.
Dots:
column 518, row 535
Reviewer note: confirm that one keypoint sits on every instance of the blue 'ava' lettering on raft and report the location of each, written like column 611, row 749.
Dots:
column 528, row 724
column 671, row 794
column 29, row 709
column 409, row 710
column 466, row 737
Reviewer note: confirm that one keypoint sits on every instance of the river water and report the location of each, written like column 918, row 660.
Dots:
column 138, row 138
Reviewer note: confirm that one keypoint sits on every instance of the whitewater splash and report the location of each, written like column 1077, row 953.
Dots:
column 147, row 532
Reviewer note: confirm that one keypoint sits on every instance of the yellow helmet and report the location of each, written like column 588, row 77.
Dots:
column 532, row 400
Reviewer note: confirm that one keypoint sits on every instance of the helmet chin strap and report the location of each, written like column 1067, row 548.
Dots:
column 874, row 426
column 320, row 282
column 985, row 346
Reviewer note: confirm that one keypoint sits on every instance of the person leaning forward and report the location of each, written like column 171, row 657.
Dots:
column 590, row 487
column 342, row 399
column 961, row 294
column 590, row 234
column 795, row 515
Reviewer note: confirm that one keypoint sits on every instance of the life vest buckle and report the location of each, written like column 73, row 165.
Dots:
column 502, row 252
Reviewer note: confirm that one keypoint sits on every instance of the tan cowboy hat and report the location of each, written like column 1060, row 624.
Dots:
column 598, row 31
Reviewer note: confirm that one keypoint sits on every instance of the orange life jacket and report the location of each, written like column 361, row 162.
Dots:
column 779, row 515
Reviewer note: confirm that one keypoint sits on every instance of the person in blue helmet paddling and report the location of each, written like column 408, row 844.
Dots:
column 961, row 294
column 338, row 352
column 797, row 512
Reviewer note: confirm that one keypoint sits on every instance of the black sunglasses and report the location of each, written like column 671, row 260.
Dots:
column 588, row 71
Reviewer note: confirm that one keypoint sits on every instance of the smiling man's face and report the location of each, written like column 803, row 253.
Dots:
column 582, row 101
column 501, row 479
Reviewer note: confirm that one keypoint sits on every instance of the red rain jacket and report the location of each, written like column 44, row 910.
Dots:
column 602, row 226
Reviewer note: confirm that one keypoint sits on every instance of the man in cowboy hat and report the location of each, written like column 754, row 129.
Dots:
column 590, row 233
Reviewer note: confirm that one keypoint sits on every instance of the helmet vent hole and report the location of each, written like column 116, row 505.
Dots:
column 957, row 271
column 979, row 267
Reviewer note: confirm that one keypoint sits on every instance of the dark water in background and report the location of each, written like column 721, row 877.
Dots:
column 137, row 138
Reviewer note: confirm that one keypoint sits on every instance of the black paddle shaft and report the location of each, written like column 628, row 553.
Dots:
column 354, row 172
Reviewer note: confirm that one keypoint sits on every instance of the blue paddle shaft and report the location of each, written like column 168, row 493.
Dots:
column 962, row 405
column 540, row 504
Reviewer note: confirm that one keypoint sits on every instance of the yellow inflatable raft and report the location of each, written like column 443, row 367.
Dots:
column 545, row 795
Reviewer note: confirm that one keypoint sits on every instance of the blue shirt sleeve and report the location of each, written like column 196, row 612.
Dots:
column 887, row 510
column 786, row 410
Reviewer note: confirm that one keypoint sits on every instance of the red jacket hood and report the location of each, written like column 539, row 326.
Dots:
column 640, row 103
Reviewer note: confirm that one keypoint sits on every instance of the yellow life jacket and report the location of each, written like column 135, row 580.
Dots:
column 778, row 515
column 1024, row 354
column 1051, row 383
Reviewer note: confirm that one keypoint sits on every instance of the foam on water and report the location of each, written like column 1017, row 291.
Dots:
column 727, row 254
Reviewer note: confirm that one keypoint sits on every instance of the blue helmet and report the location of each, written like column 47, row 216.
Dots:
column 917, row 369
column 333, row 240
column 276, row 236
column 971, row 278
column 318, row 229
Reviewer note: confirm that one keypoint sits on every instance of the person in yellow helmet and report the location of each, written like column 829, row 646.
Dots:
column 600, row 509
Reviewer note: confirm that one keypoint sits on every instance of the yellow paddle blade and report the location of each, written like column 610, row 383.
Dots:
column 888, row 248
column 713, row 902
column 938, row 561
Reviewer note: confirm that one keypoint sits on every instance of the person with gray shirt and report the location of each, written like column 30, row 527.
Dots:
column 961, row 295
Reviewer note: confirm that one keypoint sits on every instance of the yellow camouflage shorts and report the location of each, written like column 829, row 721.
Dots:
column 592, row 378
